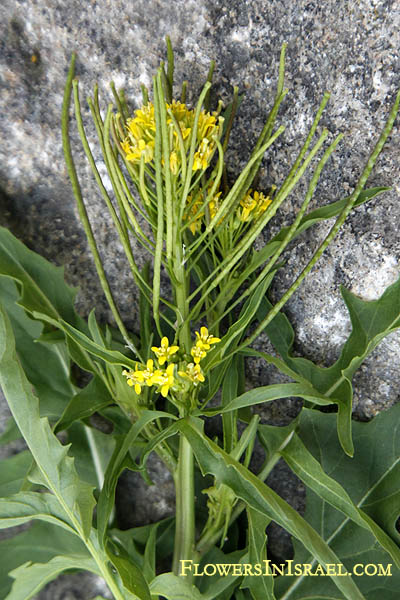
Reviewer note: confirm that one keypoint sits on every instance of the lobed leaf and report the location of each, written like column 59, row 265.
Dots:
column 371, row 322
column 24, row 506
column 42, row 541
column 56, row 469
column 30, row 578
column 52, row 384
column 42, row 284
column 92, row 398
column 13, row 472
column 260, row 497
column 269, row 393
column 371, row 480
column 172, row 587
column 309, row 470
column 112, row 357
column 260, row 587
column 117, row 464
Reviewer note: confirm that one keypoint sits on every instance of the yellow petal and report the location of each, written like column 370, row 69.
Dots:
column 170, row 369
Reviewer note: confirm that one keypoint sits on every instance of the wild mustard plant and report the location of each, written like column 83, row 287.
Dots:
column 171, row 195
column 166, row 162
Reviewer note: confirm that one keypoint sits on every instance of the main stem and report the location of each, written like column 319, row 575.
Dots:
column 184, row 473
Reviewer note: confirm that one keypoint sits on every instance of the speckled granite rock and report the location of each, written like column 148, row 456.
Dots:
column 350, row 49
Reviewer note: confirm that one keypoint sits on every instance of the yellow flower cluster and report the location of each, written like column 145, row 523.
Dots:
column 164, row 379
column 141, row 131
column 196, row 212
column 203, row 344
column 199, row 351
column 252, row 206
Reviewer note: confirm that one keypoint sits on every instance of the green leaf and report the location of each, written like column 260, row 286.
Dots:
column 269, row 393
column 10, row 433
column 260, row 497
column 30, row 578
column 56, row 469
column 91, row 450
column 259, row 586
column 172, row 587
column 274, row 438
column 117, row 464
column 13, row 472
column 229, row 392
column 94, row 397
column 42, row 284
column 371, row 479
column 131, row 576
column 149, row 563
column 42, row 541
column 327, row 212
column 47, row 366
column 138, row 536
column 309, row 470
column 218, row 587
column 25, row 506
column 112, row 357
column 371, row 322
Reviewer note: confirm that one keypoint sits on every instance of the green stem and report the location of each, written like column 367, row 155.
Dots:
column 184, row 489
column 105, row 572
column 211, row 537
column 184, row 474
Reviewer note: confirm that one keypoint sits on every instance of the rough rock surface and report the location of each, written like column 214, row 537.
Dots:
column 348, row 48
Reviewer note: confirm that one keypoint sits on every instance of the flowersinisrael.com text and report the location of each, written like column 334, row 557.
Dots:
column 266, row 569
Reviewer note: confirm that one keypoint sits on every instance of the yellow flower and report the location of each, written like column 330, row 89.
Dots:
column 135, row 378
column 248, row 204
column 195, row 213
column 203, row 156
column 193, row 373
column 165, row 352
column 135, row 151
column 198, row 353
column 205, row 339
column 262, row 203
column 174, row 162
column 166, row 380
column 254, row 204
column 141, row 134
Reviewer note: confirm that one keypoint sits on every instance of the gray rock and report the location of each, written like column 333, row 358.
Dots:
column 350, row 49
